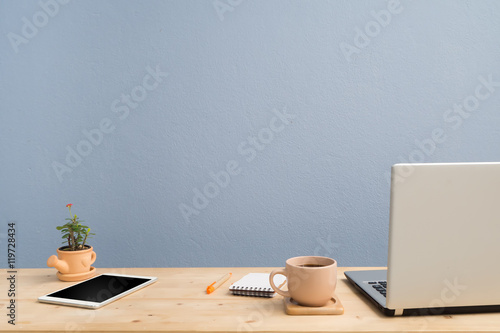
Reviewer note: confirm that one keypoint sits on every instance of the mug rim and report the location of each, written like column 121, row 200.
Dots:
column 333, row 262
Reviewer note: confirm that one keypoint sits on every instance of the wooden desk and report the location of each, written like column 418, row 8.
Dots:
column 177, row 302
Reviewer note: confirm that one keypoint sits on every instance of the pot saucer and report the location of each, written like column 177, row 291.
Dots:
column 77, row 276
column 333, row 307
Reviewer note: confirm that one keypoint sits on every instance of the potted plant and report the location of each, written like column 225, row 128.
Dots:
column 74, row 260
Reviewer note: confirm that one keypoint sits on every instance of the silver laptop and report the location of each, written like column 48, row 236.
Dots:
column 444, row 241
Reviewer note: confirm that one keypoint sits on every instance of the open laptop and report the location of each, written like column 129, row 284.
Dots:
column 444, row 242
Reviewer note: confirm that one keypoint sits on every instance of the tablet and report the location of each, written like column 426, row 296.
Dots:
column 98, row 291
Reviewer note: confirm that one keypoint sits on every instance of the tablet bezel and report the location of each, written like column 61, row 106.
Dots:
column 95, row 305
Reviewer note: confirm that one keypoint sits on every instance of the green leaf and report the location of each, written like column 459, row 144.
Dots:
column 65, row 236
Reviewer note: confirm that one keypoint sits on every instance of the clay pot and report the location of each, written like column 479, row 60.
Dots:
column 73, row 264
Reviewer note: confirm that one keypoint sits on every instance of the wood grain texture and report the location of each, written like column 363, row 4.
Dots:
column 178, row 302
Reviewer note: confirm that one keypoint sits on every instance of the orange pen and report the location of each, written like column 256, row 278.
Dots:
column 211, row 288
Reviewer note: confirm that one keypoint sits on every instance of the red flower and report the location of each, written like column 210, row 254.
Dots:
column 69, row 205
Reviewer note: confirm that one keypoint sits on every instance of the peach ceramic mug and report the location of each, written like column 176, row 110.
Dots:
column 311, row 280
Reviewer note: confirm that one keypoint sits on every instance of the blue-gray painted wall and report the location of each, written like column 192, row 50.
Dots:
column 128, row 109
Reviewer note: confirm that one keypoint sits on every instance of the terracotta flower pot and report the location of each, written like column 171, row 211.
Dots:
column 73, row 265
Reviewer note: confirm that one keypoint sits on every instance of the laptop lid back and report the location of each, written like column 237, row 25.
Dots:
column 444, row 235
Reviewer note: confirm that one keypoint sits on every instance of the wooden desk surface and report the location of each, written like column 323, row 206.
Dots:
column 177, row 302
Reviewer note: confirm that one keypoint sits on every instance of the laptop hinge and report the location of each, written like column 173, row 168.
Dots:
column 398, row 312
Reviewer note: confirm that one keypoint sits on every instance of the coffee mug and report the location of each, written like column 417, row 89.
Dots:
column 311, row 280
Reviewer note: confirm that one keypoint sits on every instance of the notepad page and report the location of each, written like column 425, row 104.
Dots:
column 257, row 282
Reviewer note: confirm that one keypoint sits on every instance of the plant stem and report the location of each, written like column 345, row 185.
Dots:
column 72, row 240
column 83, row 243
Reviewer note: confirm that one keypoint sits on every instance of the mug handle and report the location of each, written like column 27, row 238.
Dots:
column 271, row 282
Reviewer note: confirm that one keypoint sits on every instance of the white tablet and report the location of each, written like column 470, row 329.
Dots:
column 98, row 291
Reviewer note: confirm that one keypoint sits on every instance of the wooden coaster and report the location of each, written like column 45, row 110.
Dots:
column 333, row 307
column 77, row 277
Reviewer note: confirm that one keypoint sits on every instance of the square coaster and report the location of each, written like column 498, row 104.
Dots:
column 333, row 307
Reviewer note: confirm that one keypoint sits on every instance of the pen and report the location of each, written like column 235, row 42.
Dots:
column 218, row 283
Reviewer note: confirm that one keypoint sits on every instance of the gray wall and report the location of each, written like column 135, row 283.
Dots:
column 307, row 104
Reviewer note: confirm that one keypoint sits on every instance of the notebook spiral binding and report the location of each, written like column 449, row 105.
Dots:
column 251, row 291
column 255, row 284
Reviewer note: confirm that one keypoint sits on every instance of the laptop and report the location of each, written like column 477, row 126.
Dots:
column 444, row 242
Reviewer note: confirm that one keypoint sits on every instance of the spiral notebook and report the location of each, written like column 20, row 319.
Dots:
column 256, row 284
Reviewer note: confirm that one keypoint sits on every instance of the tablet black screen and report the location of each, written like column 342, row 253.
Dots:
column 100, row 288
